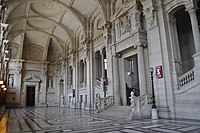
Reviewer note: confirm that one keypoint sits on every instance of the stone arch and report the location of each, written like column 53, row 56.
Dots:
column 181, row 39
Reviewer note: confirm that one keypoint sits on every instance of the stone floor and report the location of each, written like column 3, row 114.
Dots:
column 56, row 120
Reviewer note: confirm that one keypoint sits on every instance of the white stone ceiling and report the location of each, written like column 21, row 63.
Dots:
column 39, row 21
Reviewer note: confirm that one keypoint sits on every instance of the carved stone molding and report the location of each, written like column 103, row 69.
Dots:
column 149, row 12
column 191, row 6
column 31, row 78
column 140, row 45
column 44, row 71
column 118, row 55
column 18, row 70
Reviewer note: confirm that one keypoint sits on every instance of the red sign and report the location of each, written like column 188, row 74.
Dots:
column 159, row 72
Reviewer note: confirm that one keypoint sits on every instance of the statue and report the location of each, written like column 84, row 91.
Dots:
column 133, row 102
column 11, row 81
column 50, row 83
column 134, row 113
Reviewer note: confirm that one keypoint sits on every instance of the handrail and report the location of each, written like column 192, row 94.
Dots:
column 102, row 103
column 98, row 83
column 138, row 102
column 186, row 78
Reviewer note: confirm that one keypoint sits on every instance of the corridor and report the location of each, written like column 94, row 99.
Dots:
column 58, row 120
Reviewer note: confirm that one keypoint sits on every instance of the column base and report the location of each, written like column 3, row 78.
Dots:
column 196, row 57
column 154, row 114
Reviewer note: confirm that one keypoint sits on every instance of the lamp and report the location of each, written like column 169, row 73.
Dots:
column 4, row 25
column 5, row 89
column 6, row 51
column 5, row 42
column 154, row 108
column 3, row 86
column 1, row 82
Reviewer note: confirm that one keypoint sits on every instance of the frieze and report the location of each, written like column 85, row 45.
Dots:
column 125, row 24
column 123, row 8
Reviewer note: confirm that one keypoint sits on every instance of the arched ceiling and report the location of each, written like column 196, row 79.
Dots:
column 39, row 21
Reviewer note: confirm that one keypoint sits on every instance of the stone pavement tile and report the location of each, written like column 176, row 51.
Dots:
column 114, row 132
column 190, row 128
column 164, row 130
column 24, row 125
column 151, row 126
column 57, row 120
column 130, row 131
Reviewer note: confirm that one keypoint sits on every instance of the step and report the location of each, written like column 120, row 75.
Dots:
column 117, row 112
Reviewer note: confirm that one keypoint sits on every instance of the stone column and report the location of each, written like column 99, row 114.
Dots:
column 90, row 70
column 176, row 57
column 37, row 103
column 102, row 74
column 155, row 49
column 196, row 35
column 88, row 106
column 102, row 65
column 195, row 28
column 43, row 89
column 141, row 70
column 76, row 80
column 116, row 79
column 66, row 82
column 19, row 97
column 85, row 72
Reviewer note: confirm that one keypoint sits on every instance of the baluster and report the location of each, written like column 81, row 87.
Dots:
column 188, row 77
column 184, row 81
column 180, row 82
column 192, row 75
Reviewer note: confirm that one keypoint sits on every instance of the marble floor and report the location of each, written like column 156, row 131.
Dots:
column 59, row 120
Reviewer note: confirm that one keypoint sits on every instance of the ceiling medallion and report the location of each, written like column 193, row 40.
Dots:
column 47, row 5
column 46, row 8
column 39, row 23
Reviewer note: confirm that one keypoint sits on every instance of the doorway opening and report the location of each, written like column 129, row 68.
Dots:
column 30, row 97
column 131, row 77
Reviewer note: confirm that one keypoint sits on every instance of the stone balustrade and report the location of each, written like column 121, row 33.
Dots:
column 186, row 78
column 102, row 103
column 137, row 103
column 98, row 83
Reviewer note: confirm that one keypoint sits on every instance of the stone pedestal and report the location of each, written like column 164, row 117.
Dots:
column 154, row 114
column 197, row 66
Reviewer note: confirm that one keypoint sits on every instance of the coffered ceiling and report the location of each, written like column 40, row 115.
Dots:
column 39, row 22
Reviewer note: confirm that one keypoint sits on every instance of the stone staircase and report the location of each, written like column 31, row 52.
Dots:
column 187, row 95
column 116, row 112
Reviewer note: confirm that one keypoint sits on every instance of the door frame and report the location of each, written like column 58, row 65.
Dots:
column 37, row 91
column 30, row 86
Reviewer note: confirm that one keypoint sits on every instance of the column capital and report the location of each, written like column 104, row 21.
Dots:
column 143, row 45
column 117, row 55
column 191, row 7
column 18, row 70
column 192, row 10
